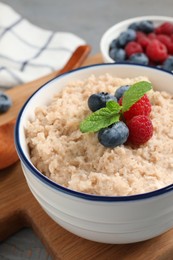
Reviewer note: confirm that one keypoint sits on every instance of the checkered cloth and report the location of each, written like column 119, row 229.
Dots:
column 28, row 52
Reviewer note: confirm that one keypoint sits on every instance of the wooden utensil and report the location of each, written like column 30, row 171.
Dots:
column 8, row 154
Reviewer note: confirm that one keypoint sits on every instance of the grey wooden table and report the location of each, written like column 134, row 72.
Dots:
column 89, row 20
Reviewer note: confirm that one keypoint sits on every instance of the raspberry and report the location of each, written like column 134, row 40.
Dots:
column 156, row 51
column 120, row 101
column 133, row 47
column 165, row 28
column 141, row 107
column 142, row 39
column 152, row 36
column 140, row 35
column 140, row 130
column 165, row 39
column 170, row 48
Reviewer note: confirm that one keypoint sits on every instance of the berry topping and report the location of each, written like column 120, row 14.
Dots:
column 156, row 51
column 5, row 102
column 120, row 91
column 141, row 107
column 133, row 47
column 109, row 121
column 97, row 101
column 113, row 136
column 140, row 129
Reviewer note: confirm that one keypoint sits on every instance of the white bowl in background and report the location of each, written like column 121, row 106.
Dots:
column 114, row 31
column 107, row 219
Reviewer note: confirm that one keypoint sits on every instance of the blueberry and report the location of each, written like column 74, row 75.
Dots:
column 117, row 54
column 125, row 37
column 120, row 91
column 134, row 26
column 97, row 101
column 146, row 26
column 139, row 58
column 113, row 136
column 113, row 44
column 168, row 64
column 5, row 102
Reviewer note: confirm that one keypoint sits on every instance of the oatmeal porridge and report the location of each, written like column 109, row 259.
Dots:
column 78, row 161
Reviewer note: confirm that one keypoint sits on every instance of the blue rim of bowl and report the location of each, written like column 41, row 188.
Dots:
column 56, row 186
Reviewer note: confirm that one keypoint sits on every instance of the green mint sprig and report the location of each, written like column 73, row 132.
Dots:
column 110, row 114
column 134, row 93
column 101, row 118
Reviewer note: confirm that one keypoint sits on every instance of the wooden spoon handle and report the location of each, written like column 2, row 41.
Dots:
column 8, row 154
column 76, row 59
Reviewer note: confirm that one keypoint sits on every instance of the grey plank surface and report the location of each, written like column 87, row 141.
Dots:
column 89, row 20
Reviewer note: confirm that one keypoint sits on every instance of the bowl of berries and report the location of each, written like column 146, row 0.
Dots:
column 95, row 146
column 146, row 40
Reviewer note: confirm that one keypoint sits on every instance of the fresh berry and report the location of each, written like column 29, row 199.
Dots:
column 140, row 129
column 170, row 48
column 168, row 64
column 142, row 39
column 134, row 26
column 120, row 91
column 146, row 26
column 152, row 36
column 165, row 28
column 5, row 102
column 141, row 107
column 133, row 47
column 97, row 101
column 114, row 136
column 156, row 51
column 125, row 37
column 113, row 44
column 117, row 54
column 165, row 39
column 139, row 58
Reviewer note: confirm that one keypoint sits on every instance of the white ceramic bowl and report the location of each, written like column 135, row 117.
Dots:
column 108, row 219
column 116, row 29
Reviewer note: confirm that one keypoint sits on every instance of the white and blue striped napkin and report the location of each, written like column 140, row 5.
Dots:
column 28, row 52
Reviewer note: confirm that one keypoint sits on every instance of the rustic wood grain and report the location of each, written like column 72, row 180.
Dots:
column 18, row 208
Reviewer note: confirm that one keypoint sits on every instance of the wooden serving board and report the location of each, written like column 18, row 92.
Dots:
column 18, row 209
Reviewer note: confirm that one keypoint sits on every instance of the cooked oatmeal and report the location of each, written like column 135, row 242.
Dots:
column 78, row 161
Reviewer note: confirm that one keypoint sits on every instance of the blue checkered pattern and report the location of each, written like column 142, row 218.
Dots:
column 28, row 52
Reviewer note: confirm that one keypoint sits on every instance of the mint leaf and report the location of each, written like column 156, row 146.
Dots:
column 113, row 106
column 102, row 118
column 134, row 93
